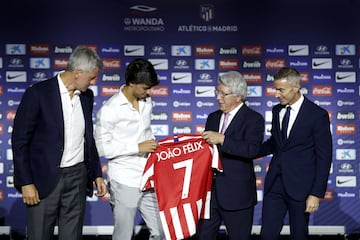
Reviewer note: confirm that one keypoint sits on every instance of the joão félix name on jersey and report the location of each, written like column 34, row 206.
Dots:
column 178, row 151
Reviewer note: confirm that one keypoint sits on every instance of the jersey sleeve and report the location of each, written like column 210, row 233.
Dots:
column 147, row 181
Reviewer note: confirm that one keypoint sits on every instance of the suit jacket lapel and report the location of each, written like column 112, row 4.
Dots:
column 299, row 118
column 238, row 118
column 87, row 113
column 216, row 121
column 276, row 124
column 54, row 98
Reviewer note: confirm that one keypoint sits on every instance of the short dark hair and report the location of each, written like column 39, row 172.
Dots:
column 141, row 71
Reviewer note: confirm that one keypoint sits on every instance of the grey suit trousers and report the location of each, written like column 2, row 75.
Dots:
column 65, row 205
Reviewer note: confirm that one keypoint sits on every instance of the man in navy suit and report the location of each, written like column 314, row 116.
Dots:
column 299, row 169
column 234, row 191
column 55, row 157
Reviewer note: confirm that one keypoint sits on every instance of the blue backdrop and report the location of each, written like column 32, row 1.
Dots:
column 191, row 43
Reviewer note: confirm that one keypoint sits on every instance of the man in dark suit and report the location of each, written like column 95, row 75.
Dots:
column 234, row 191
column 299, row 169
column 55, row 157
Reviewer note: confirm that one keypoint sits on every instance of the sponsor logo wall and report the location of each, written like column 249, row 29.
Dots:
column 189, row 55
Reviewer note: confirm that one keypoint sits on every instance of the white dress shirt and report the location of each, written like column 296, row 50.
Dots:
column 118, row 131
column 74, row 127
column 293, row 113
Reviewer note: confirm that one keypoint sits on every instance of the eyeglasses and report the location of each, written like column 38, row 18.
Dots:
column 222, row 94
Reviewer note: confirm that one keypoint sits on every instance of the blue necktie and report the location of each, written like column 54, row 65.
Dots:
column 285, row 123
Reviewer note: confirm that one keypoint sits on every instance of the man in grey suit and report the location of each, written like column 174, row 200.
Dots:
column 55, row 158
column 301, row 145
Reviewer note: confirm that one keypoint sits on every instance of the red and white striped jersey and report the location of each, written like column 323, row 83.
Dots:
column 180, row 171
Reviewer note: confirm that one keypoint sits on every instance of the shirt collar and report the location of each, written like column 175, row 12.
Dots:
column 63, row 89
column 296, row 106
column 235, row 110
column 123, row 100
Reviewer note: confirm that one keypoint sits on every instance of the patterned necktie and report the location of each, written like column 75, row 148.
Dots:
column 285, row 123
column 226, row 117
